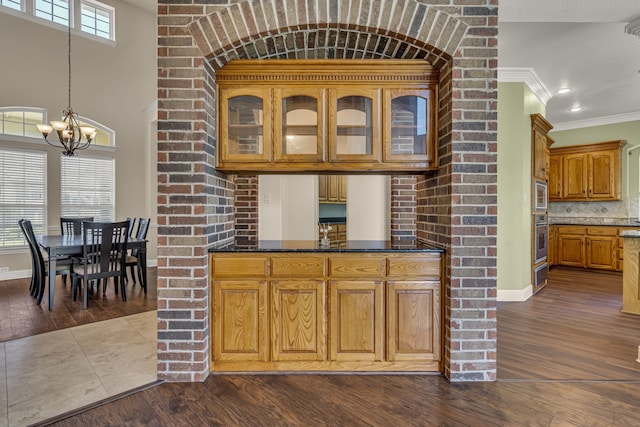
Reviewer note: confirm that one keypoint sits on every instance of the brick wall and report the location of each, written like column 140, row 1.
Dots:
column 403, row 207
column 456, row 206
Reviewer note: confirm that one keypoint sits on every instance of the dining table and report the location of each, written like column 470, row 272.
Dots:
column 69, row 245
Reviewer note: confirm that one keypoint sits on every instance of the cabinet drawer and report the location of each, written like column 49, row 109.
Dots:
column 602, row 231
column 239, row 266
column 413, row 267
column 297, row 266
column 356, row 267
column 571, row 229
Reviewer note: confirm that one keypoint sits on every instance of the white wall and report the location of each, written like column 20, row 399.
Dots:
column 113, row 85
column 368, row 207
column 288, row 207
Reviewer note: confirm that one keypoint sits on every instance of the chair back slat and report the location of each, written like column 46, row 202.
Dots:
column 104, row 248
column 73, row 226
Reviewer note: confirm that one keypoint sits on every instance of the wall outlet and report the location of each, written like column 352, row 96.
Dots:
column 4, row 269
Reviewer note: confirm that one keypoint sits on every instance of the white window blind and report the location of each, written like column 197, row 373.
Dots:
column 88, row 187
column 22, row 194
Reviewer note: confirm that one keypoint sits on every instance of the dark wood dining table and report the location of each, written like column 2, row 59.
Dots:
column 61, row 246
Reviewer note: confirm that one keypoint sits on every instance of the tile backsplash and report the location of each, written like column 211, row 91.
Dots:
column 594, row 212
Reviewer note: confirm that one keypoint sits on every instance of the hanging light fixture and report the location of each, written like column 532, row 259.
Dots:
column 71, row 136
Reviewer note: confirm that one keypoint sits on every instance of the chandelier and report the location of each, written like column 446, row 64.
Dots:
column 71, row 136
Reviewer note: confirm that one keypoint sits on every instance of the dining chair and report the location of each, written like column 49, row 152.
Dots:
column 132, row 224
column 133, row 259
column 73, row 226
column 39, row 273
column 104, row 250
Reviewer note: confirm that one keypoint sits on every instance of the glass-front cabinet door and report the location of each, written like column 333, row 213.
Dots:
column 245, row 117
column 354, row 125
column 298, row 119
column 409, row 115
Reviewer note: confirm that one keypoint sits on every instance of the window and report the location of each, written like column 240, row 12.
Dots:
column 13, row 4
column 85, row 16
column 88, row 187
column 21, row 121
column 96, row 18
column 105, row 137
column 53, row 10
column 22, row 194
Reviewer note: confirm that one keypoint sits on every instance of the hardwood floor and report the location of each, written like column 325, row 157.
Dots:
column 20, row 316
column 555, row 353
column 571, row 330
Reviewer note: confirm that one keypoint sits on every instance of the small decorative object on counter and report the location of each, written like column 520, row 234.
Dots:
column 325, row 229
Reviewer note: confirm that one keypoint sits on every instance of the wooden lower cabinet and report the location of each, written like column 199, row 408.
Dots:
column 315, row 312
column 596, row 247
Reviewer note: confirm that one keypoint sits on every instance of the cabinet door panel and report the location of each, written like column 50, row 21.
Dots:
column 357, row 320
column 555, row 178
column 247, row 130
column 601, row 252
column 413, row 310
column 354, row 125
column 574, row 180
column 571, row 250
column 407, row 126
column 298, row 320
column 602, row 175
column 240, row 320
column 298, row 124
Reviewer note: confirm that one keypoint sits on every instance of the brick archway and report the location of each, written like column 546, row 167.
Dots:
column 197, row 205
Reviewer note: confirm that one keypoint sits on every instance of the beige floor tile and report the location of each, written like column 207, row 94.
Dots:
column 145, row 323
column 43, row 394
column 109, row 338
column 135, row 375
column 42, row 351
column 4, row 415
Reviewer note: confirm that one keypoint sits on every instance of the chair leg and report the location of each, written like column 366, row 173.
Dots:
column 133, row 276
column 123, row 288
column 74, row 286
column 85, row 298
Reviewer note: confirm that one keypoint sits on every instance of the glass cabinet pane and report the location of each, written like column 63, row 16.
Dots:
column 409, row 116
column 245, row 125
column 300, row 125
column 354, row 121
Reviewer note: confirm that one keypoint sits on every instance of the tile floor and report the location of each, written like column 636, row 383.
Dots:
column 52, row 373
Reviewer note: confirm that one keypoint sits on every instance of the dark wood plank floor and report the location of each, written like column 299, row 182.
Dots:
column 20, row 316
column 554, row 352
column 571, row 330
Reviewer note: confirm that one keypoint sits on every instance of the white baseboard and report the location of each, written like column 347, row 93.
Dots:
column 23, row 274
column 514, row 295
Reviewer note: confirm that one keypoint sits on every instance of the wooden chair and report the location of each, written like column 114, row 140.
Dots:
column 133, row 259
column 104, row 251
column 73, row 226
column 40, row 273
column 132, row 224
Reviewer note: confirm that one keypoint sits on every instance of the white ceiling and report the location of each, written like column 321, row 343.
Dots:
column 579, row 44
column 576, row 43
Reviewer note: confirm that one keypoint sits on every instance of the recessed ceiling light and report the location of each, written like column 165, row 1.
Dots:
column 564, row 90
column 574, row 109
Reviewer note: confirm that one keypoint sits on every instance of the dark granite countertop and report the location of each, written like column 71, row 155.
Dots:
column 335, row 246
column 606, row 222
column 333, row 220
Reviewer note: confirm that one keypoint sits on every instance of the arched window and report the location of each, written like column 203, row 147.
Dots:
column 22, row 121
column 105, row 137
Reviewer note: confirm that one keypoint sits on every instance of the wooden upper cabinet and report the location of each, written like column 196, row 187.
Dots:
column 555, row 178
column 354, row 134
column 245, row 125
column 310, row 116
column 540, row 146
column 409, row 126
column 590, row 172
column 298, row 124
column 574, row 176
